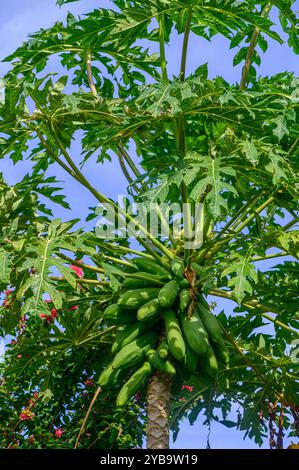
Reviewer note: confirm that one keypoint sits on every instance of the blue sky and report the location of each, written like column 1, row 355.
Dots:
column 18, row 18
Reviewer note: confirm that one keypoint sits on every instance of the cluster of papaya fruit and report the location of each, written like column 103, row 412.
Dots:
column 166, row 321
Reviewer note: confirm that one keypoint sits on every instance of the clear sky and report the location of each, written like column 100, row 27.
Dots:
column 18, row 18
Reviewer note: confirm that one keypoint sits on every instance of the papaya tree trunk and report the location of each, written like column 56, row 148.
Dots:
column 158, row 402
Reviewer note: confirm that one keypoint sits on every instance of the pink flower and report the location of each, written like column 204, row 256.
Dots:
column 74, row 307
column 77, row 270
column 19, row 356
column 58, row 432
column 13, row 342
column 48, row 301
column 181, row 399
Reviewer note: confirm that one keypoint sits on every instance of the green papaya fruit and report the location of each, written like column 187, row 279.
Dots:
column 149, row 310
column 110, row 377
column 184, row 283
column 162, row 365
column 116, row 315
column 174, row 335
column 178, row 267
column 131, row 332
column 163, row 349
column 210, row 322
column 185, row 299
column 195, row 333
column 168, row 294
column 209, row 363
column 135, row 351
column 198, row 269
column 134, row 384
column 140, row 280
column 133, row 299
column 151, row 267
column 191, row 359
column 221, row 352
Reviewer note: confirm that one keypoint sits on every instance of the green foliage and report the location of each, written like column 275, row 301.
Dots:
column 196, row 139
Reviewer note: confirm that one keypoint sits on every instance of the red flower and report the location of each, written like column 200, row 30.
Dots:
column 58, row 432
column 188, row 388
column 181, row 399
column 35, row 395
column 49, row 318
column 77, row 270
column 8, row 292
column 13, row 342
column 54, row 312
column 89, row 382
column 74, row 307
column 26, row 415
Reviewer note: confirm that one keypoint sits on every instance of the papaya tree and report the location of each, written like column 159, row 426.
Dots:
column 214, row 165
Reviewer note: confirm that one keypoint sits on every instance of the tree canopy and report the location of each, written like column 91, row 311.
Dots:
column 233, row 148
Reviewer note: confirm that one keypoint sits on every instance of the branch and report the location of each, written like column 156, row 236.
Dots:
column 185, row 46
column 81, row 265
column 181, row 141
column 162, row 47
column 126, row 173
column 240, row 352
column 252, row 47
column 144, row 186
column 218, row 242
column 98, row 390
column 89, row 74
column 56, row 158
column 255, row 304
column 81, row 280
column 291, row 224
column 250, row 303
column 131, row 164
column 243, row 212
column 95, row 94
column 273, row 255
column 123, row 156
column 122, row 249
column 104, row 200
column 252, row 216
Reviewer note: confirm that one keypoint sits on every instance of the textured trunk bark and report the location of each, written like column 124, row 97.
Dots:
column 158, row 401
